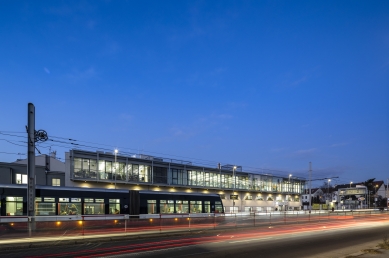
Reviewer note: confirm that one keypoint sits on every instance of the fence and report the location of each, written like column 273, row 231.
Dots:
column 81, row 226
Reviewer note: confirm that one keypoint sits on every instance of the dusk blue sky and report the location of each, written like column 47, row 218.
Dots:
column 268, row 85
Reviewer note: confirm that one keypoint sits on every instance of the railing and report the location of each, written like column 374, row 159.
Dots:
column 89, row 226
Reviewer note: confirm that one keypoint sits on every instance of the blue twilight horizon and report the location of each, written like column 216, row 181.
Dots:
column 268, row 85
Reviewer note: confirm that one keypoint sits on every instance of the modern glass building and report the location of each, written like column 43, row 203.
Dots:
column 240, row 191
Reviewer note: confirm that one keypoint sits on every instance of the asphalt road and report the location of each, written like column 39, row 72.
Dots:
column 324, row 239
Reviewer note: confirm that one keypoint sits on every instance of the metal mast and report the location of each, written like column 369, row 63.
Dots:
column 31, row 160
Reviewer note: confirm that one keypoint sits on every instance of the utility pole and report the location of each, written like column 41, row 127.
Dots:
column 233, row 189
column 310, row 186
column 32, row 137
column 31, row 160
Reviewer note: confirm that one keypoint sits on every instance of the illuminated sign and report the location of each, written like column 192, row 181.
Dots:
column 233, row 197
column 353, row 191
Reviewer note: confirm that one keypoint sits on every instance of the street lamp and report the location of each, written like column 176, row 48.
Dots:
column 328, row 192
column 289, row 183
column 233, row 188
column 116, row 152
column 350, row 183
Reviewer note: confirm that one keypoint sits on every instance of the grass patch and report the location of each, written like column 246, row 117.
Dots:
column 371, row 251
column 383, row 246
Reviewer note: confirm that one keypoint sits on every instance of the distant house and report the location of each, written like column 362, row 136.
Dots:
column 317, row 195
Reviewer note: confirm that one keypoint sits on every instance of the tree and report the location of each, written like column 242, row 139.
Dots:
column 369, row 184
column 370, row 188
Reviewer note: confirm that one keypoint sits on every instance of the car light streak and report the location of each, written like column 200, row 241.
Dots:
column 249, row 235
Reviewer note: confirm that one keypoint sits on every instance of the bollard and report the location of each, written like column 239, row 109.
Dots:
column 189, row 220
column 125, row 224
column 82, row 224
column 29, row 227
column 214, row 220
column 270, row 219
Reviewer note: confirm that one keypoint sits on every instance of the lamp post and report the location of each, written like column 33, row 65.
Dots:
column 116, row 152
column 233, row 188
column 350, row 183
column 289, row 182
column 328, row 191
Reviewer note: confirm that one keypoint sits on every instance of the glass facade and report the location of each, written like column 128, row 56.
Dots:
column 110, row 170
column 101, row 169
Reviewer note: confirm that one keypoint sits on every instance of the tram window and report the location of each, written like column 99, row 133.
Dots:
column 76, row 199
column 195, row 207
column 100, row 200
column 14, row 206
column 48, row 199
column 88, row 200
column 63, row 199
column 38, row 199
column 207, row 206
column 218, row 207
column 93, row 208
column 167, row 206
column 179, row 206
column 182, row 207
column 66, row 208
column 43, row 209
column 151, row 206
column 114, row 206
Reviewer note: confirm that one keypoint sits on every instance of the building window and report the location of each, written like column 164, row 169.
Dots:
column 21, row 179
column 248, row 197
column 259, row 198
column 56, row 182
